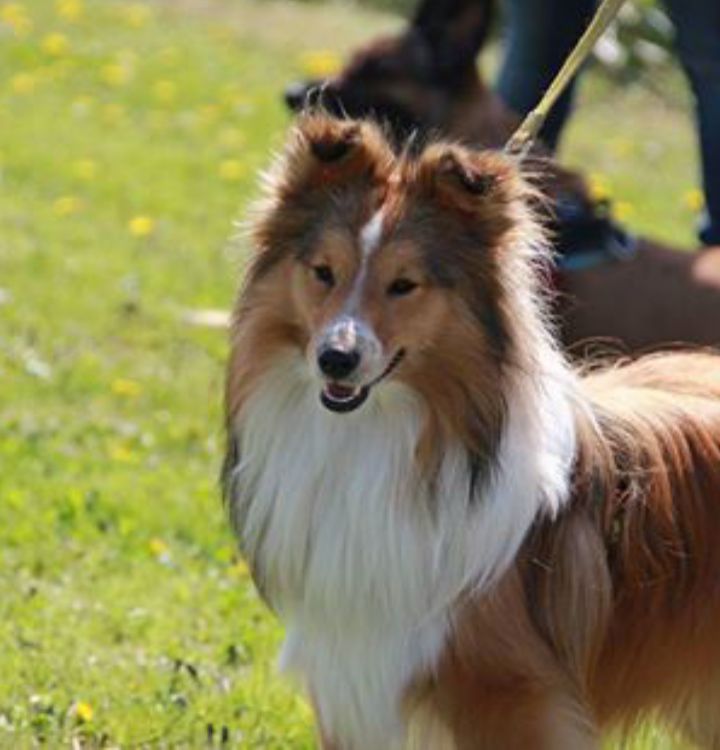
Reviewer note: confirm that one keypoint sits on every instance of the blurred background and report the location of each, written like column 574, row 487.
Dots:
column 131, row 134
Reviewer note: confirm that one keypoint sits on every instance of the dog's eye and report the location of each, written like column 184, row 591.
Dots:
column 324, row 275
column 401, row 287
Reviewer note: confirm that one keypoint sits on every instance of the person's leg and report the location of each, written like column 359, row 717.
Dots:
column 539, row 36
column 697, row 24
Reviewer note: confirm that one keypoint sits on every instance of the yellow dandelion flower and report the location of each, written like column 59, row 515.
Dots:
column 125, row 387
column 11, row 11
column 623, row 210
column 240, row 569
column 69, row 10
column 165, row 91
column 85, row 170
column 231, row 170
column 23, row 83
column 83, row 712
column 136, row 15
column 320, row 63
column 67, row 205
column 158, row 547
column 694, row 200
column 55, row 44
column 141, row 226
column 15, row 16
column 122, row 454
column 599, row 187
column 115, row 74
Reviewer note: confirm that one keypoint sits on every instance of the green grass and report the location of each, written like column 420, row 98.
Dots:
column 128, row 145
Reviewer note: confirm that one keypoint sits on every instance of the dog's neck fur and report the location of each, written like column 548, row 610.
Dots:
column 363, row 560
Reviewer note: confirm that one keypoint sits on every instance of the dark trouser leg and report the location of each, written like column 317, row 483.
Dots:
column 539, row 36
column 697, row 24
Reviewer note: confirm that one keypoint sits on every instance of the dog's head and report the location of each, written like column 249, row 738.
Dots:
column 373, row 269
column 417, row 80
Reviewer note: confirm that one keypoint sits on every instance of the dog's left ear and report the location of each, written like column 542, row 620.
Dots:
column 463, row 181
column 325, row 153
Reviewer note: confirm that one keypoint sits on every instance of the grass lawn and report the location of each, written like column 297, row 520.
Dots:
column 130, row 136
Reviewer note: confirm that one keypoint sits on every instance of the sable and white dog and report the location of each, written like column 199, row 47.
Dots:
column 471, row 545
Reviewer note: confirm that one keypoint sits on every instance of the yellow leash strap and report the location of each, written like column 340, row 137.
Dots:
column 523, row 138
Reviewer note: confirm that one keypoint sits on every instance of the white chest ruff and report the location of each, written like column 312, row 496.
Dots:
column 361, row 563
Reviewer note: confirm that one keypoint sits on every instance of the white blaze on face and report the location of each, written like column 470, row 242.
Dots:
column 370, row 236
column 349, row 331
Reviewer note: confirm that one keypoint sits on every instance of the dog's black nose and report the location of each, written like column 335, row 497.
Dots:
column 338, row 363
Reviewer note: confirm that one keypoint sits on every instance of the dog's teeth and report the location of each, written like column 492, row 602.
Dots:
column 341, row 392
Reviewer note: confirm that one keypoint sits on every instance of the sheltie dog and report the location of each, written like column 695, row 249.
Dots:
column 472, row 545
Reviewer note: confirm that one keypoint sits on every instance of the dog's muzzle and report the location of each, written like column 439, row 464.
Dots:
column 342, row 398
column 350, row 360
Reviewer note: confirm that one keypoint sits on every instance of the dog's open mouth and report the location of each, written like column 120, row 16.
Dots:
column 342, row 398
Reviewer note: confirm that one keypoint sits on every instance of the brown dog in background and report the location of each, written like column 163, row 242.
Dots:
column 641, row 293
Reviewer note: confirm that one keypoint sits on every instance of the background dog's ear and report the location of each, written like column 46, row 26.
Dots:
column 325, row 152
column 456, row 31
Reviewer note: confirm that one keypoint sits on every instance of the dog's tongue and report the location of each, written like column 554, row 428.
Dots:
column 340, row 392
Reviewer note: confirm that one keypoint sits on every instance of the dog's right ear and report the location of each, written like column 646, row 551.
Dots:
column 456, row 31
column 327, row 153
column 327, row 162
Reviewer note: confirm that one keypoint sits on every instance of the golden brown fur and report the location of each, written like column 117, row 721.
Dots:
column 610, row 613
column 613, row 612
